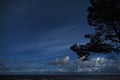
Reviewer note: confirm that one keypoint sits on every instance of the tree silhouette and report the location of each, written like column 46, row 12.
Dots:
column 104, row 16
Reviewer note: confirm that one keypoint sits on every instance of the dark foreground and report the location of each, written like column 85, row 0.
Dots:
column 59, row 77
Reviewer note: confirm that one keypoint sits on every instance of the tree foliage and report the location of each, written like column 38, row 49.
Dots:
column 104, row 16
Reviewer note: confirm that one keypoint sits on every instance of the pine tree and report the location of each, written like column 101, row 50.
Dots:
column 104, row 16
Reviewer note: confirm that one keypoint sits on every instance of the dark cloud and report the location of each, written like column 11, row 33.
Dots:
column 43, row 12
column 3, row 66
column 41, row 29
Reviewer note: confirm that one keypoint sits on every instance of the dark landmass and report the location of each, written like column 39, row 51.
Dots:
column 59, row 77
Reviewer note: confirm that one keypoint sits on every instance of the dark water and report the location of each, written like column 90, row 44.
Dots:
column 59, row 77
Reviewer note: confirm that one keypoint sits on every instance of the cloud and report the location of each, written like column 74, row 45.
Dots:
column 55, row 43
column 3, row 67
column 59, row 37
column 1, row 63
column 64, row 60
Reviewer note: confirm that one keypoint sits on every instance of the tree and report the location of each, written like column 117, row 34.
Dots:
column 104, row 16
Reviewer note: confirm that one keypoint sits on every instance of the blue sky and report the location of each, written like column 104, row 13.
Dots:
column 41, row 30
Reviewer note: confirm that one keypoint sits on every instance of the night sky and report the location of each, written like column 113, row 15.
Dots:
column 41, row 30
